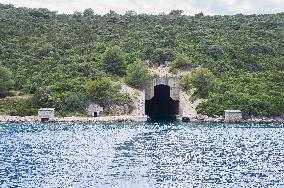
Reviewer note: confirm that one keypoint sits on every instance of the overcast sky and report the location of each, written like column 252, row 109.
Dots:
column 209, row 7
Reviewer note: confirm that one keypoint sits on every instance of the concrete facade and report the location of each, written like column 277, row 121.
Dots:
column 94, row 109
column 46, row 114
column 175, row 92
column 233, row 115
column 172, row 82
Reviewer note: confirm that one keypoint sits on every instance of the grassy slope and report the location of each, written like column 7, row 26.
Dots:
column 64, row 51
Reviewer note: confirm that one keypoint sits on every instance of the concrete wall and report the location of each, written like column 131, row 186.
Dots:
column 46, row 113
column 92, row 108
column 233, row 115
column 172, row 82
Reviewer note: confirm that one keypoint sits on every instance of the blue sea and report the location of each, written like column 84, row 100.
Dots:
column 153, row 154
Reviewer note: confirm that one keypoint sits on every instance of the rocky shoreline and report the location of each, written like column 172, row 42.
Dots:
column 202, row 119
column 32, row 119
column 223, row 120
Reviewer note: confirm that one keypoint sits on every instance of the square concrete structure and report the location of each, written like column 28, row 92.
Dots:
column 46, row 114
column 94, row 109
column 172, row 82
column 233, row 115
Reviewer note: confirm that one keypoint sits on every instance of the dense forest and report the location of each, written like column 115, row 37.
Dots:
column 54, row 57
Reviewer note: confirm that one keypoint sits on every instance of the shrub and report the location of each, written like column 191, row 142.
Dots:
column 107, row 93
column 214, row 51
column 185, row 82
column 44, row 98
column 114, row 61
column 71, row 102
column 100, row 90
column 23, row 108
column 161, row 55
column 203, row 80
column 6, row 81
column 137, row 75
column 181, row 62
column 17, row 106
column 64, row 102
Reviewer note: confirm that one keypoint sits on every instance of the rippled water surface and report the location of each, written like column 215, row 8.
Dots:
column 141, row 155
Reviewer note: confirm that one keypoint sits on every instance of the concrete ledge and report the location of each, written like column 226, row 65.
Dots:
column 18, row 119
column 223, row 120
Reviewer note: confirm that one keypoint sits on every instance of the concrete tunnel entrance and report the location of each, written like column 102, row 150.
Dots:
column 162, row 106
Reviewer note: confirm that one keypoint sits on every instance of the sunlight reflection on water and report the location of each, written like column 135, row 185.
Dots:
column 161, row 154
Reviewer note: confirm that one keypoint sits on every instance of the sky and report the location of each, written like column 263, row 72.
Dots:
column 190, row 7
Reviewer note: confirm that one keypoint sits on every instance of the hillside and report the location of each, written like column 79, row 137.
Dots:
column 244, row 53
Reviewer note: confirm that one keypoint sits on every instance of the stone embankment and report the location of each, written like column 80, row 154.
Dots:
column 206, row 119
column 18, row 119
column 197, row 119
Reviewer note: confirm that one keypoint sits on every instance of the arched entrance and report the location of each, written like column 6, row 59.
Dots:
column 162, row 106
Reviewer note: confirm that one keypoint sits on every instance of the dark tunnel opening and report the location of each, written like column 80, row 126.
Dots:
column 162, row 106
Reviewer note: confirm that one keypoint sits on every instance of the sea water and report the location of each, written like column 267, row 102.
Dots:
column 161, row 154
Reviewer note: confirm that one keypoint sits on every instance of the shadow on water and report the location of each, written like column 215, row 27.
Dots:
column 163, row 121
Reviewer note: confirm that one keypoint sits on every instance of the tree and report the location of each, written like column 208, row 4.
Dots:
column 137, row 74
column 77, row 14
column 176, row 12
column 199, row 15
column 203, row 81
column 88, row 12
column 114, row 61
column 102, row 91
column 130, row 13
column 185, row 82
column 44, row 98
column 181, row 62
column 71, row 102
column 107, row 93
column 6, row 81
column 245, row 53
column 40, row 13
column 214, row 51
column 161, row 55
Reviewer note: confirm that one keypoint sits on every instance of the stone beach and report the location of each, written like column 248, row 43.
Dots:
column 129, row 118
column 75, row 119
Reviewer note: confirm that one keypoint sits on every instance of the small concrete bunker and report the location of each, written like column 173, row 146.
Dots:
column 94, row 110
column 46, row 114
column 162, row 98
column 233, row 115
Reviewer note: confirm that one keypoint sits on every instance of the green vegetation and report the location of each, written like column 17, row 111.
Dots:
column 185, row 82
column 18, row 106
column 66, row 103
column 106, row 93
column 103, row 91
column 6, row 81
column 114, row 61
column 182, row 62
column 203, row 81
column 137, row 75
column 63, row 52
column 257, row 94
